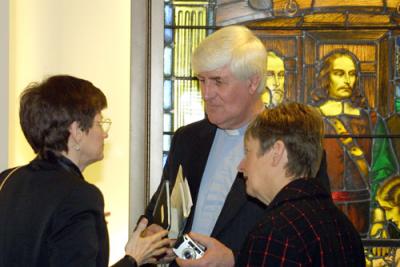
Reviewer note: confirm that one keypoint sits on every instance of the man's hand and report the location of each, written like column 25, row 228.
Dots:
column 217, row 254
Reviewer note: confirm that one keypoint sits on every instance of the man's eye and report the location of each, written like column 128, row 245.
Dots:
column 218, row 82
column 269, row 74
column 338, row 73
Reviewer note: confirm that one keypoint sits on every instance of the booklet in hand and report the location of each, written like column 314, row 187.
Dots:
column 181, row 204
column 172, row 210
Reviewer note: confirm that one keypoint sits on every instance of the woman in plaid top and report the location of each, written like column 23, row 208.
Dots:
column 302, row 226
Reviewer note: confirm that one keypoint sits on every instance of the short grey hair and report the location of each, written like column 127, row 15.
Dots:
column 235, row 46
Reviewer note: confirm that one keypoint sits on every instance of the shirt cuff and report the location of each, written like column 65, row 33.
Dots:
column 131, row 260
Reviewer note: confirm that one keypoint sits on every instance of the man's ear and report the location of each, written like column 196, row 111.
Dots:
column 279, row 152
column 254, row 82
column 76, row 132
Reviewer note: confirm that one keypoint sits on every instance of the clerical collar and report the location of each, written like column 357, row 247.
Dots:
column 232, row 132
column 236, row 132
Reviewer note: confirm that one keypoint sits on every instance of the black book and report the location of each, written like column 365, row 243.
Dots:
column 162, row 209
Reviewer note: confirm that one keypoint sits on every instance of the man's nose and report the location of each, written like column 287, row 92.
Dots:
column 347, row 78
column 207, row 90
column 276, row 80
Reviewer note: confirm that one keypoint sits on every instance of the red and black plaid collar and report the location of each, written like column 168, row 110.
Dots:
column 298, row 189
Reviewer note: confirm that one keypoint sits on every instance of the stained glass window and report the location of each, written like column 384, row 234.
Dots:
column 340, row 56
column 185, row 27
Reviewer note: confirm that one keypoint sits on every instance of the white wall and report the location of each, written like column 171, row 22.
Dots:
column 4, row 47
column 89, row 39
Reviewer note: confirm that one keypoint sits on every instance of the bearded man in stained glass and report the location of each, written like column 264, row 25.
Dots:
column 275, row 80
column 344, row 110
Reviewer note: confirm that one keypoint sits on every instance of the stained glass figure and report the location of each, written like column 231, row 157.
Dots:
column 342, row 105
column 275, row 80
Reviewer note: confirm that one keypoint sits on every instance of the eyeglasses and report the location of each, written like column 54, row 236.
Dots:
column 105, row 124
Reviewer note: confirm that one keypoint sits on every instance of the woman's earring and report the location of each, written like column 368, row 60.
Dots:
column 77, row 147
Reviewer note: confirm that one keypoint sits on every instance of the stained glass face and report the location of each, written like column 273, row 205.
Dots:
column 342, row 78
column 344, row 59
column 274, row 80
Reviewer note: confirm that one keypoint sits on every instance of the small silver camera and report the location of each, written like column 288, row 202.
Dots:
column 186, row 248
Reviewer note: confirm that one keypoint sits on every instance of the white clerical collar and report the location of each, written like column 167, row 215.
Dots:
column 232, row 132
column 236, row 132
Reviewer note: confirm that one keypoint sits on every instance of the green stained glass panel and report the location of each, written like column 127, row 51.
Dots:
column 397, row 105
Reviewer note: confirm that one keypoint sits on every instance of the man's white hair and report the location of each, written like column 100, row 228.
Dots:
column 236, row 47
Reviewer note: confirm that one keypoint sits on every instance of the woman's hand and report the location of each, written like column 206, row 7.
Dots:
column 145, row 249
column 169, row 254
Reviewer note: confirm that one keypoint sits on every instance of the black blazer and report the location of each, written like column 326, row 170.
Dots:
column 190, row 147
column 50, row 216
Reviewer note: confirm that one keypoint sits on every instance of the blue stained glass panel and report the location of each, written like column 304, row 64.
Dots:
column 397, row 90
column 167, row 94
column 168, row 36
column 210, row 17
column 168, row 14
column 167, row 61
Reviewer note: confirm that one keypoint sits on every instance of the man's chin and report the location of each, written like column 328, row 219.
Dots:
column 215, row 118
column 212, row 119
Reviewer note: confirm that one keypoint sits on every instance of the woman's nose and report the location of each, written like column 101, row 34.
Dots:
column 240, row 166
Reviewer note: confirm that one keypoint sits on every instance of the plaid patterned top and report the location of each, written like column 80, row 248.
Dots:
column 303, row 227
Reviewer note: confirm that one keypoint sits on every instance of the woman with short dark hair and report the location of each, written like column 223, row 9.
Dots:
column 49, row 215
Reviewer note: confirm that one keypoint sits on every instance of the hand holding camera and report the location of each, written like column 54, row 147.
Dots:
column 186, row 248
column 214, row 254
